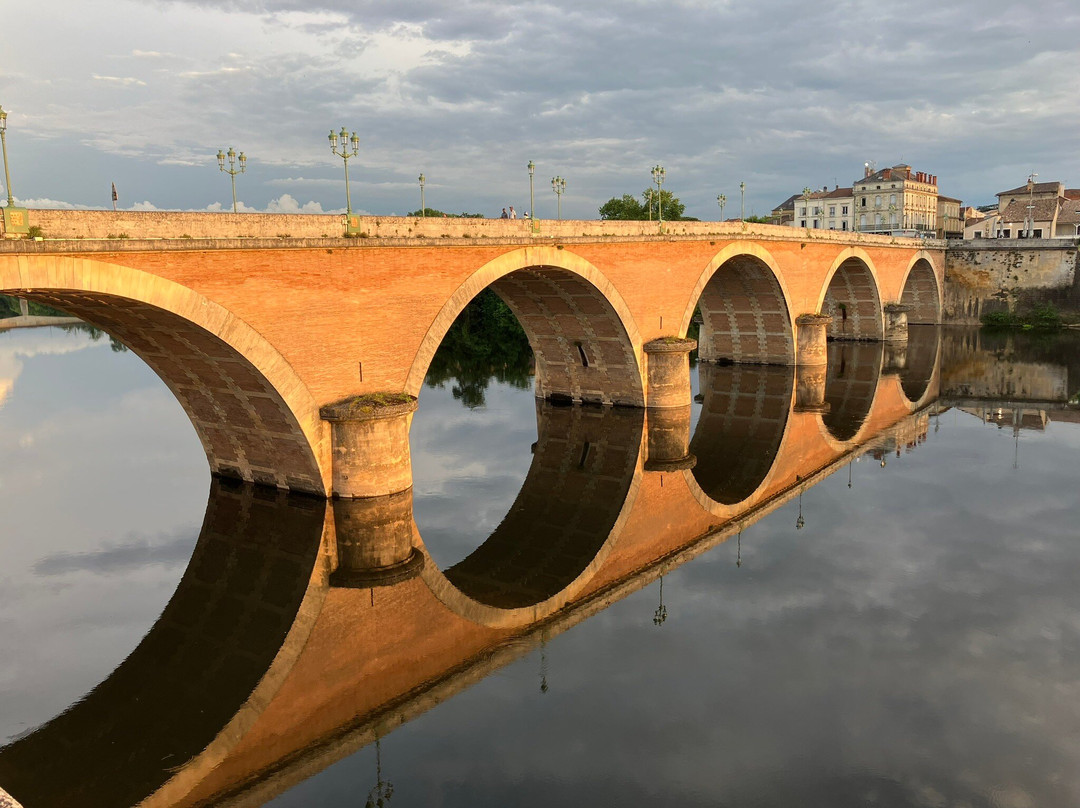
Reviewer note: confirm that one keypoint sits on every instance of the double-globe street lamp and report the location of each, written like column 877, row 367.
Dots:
column 558, row 185
column 423, row 209
column 232, row 170
column 742, row 201
column 658, row 175
column 721, row 200
column 532, row 197
column 349, row 147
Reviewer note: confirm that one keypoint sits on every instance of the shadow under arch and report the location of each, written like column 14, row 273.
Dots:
column 744, row 309
column 741, row 429
column 921, row 361
column 851, row 296
column 586, row 345
column 576, row 496
column 226, row 640
column 921, row 291
column 851, row 382
column 255, row 418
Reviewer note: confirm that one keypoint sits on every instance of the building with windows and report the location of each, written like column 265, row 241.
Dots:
column 824, row 209
column 896, row 198
column 1034, row 210
column 950, row 217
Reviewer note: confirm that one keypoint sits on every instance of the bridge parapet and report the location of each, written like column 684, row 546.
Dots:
column 292, row 229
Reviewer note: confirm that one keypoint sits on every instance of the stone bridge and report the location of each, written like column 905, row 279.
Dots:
column 296, row 359
column 283, row 650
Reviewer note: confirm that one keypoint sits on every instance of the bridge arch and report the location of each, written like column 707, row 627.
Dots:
column 740, row 433
column 254, row 416
column 851, row 385
column 851, row 295
column 583, row 336
column 576, row 497
column 922, row 290
column 745, row 310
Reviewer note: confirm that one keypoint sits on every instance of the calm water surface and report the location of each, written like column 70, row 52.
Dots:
column 916, row 642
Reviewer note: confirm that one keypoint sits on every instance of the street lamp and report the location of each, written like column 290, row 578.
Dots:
column 423, row 210
column 558, row 185
column 532, row 197
column 742, row 201
column 3, row 140
column 721, row 200
column 345, row 153
column 658, row 175
column 806, row 201
column 1031, row 204
column 232, row 170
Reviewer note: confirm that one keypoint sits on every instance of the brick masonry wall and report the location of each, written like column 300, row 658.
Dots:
column 1009, row 274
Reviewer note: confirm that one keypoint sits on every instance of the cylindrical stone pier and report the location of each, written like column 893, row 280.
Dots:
column 375, row 542
column 668, row 372
column 810, row 388
column 370, row 435
column 896, row 323
column 894, row 357
column 668, row 439
column 812, row 333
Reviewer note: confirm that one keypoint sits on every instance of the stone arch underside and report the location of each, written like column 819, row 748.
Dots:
column 582, row 350
column 920, row 360
column 739, row 433
column 198, row 665
column 921, row 295
column 851, row 382
column 745, row 318
column 246, row 428
column 573, row 498
column 853, row 301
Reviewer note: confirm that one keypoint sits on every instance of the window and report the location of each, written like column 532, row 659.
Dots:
column 843, row 225
column 892, row 199
column 862, row 219
column 832, row 210
column 802, row 211
column 802, row 223
column 843, row 210
column 864, row 201
column 877, row 201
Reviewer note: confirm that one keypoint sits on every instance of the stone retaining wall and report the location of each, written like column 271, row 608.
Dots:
column 986, row 275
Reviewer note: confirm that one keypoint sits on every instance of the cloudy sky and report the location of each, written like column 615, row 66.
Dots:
column 775, row 93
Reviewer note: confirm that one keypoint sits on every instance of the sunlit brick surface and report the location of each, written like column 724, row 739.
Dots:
column 854, row 303
column 744, row 316
column 921, row 294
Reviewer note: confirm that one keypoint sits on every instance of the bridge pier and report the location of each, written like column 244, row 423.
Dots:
column 375, row 542
column 896, row 322
column 812, row 334
column 669, row 402
column 370, row 440
column 810, row 388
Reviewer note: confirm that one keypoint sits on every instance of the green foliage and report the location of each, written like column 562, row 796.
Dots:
column 9, row 307
column 35, row 231
column 432, row 213
column 1043, row 317
column 757, row 219
column 627, row 208
column 485, row 341
column 624, row 208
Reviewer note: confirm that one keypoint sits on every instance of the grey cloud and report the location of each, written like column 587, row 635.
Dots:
column 119, row 559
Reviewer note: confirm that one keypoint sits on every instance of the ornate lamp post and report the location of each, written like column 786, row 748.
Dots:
column 658, row 175
column 7, row 174
column 558, row 185
column 721, row 200
column 532, row 197
column 742, row 201
column 232, row 170
column 806, row 200
column 1031, row 204
column 350, row 147
column 15, row 219
column 423, row 209
column 660, row 615
column 383, row 790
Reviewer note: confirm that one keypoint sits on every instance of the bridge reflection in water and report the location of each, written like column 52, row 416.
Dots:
column 279, row 653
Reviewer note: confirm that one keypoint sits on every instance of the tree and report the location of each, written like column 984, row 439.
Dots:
column 627, row 208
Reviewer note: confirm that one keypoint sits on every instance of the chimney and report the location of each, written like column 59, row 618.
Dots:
column 886, row 174
column 866, row 170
